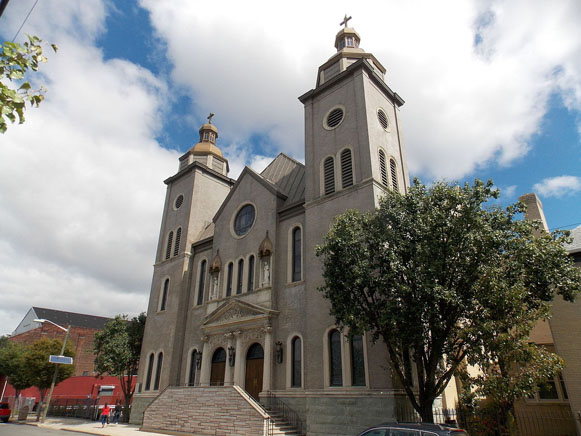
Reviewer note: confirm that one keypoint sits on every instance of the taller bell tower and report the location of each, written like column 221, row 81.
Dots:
column 354, row 153
column 352, row 127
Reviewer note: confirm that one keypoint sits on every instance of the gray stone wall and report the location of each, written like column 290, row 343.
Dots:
column 203, row 411
column 138, row 406
column 341, row 415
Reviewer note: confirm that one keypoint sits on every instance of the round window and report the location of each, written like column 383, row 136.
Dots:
column 334, row 118
column 179, row 201
column 382, row 118
column 244, row 220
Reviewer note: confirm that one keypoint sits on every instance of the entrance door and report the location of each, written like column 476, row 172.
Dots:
column 254, row 369
column 218, row 368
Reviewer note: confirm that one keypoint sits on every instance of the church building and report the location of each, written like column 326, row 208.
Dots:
column 235, row 316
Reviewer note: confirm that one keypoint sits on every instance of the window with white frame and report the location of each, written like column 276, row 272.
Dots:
column 201, row 282
column 150, row 362
column 164, row 295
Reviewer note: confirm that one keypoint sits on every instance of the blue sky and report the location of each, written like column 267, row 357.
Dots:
column 492, row 90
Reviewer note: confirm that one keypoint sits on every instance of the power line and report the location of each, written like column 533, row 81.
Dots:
column 22, row 25
column 566, row 225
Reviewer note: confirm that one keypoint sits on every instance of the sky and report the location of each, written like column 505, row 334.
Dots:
column 492, row 91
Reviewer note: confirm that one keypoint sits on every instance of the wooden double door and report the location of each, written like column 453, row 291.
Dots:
column 254, row 370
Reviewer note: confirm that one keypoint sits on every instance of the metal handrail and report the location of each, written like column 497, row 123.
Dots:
column 276, row 405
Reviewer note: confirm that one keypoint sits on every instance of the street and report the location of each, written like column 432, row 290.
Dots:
column 11, row 429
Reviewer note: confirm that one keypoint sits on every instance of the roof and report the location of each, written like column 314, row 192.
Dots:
column 70, row 318
column 288, row 175
column 575, row 245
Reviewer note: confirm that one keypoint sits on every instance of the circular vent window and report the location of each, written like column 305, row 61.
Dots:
column 334, row 118
column 244, row 220
column 383, row 120
column 179, row 201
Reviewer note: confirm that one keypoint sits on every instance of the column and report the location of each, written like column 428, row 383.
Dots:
column 267, row 373
column 206, row 363
column 228, row 374
column 238, row 378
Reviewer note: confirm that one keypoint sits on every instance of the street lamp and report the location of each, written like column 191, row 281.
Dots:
column 56, row 368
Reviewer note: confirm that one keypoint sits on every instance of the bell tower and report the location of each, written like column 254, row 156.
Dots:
column 193, row 196
column 354, row 154
column 352, row 127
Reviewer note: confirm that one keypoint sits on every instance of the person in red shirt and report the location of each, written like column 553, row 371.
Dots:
column 105, row 415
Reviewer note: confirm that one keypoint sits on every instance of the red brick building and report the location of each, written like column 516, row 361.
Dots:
column 83, row 383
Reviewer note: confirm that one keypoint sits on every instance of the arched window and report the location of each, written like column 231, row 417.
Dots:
column 169, row 242
column 336, row 367
column 296, row 255
column 158, row 371
column 357, row 361
column 149, row 372
column 329, row 175
column 164, row 292
column 383, row 168
column 250, row 274
column 296, row 362
column 393, row 174
column 229, row 279
column 192, row 377
column 176, row 249
column 346, row 168
column 202, row 282
column 240, row 276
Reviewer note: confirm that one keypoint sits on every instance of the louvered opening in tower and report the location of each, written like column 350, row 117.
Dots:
column 335, row 117
column 393, row 174
column 382, row 117
column 176, row 249
column 329, row 175
column 346, row 168
column 169, row 242
column 383, row 167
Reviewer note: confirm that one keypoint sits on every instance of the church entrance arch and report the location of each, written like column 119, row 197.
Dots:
column 254, row 369
column 218, row 367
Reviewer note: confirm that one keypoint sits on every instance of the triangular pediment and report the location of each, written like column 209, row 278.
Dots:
column 246, row 176
column 235, row 310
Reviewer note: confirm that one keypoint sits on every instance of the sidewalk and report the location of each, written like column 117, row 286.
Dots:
column 91, row 427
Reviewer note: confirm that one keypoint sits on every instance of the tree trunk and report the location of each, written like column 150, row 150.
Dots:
column 426, row 412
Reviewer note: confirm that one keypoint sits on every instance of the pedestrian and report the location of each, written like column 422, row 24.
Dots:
column 105, row 415
column 117, row 414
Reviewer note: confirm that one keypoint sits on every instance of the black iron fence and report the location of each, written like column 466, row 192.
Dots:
column 86, row 408
column 538, row 422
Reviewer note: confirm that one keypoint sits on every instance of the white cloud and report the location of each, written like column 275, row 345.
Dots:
column 558, row 186
column 508, row 192
column 466, row 106
column 82, row 179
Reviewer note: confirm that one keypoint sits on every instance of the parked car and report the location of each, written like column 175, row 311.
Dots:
column 413, row 429
column 5, row 412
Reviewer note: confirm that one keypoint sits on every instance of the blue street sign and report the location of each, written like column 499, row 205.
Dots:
column 64, row 360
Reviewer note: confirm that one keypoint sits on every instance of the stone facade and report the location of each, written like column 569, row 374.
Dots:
column 235, row 302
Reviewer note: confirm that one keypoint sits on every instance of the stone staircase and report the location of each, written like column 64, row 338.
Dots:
column 216, row 410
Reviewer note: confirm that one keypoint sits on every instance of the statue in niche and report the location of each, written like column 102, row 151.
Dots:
column 266, row 273
column 214, row 286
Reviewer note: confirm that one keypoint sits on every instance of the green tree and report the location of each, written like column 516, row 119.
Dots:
column 427, row 273
column 40, row 371
column 13, row 364
column 15, row 60
column 117, row 351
